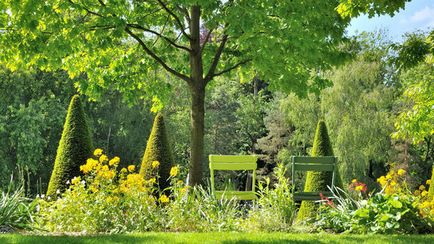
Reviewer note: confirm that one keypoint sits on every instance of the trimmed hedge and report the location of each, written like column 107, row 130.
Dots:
column 158, row 149
column 75, row 146
column 316, row 181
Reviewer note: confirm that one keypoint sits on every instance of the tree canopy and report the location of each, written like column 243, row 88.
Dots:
column 121, row 44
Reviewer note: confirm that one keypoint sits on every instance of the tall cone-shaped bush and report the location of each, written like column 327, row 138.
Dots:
column 316, row 181
column 157, row 150
column 75, row 146
column 431, row 187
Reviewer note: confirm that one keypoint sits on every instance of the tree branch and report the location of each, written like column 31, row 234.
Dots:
column 231, row 68
column 177, row 20
column 208, row 35
column 216, row 59
column 156, row 58
column 136, row 26
column 85, row 8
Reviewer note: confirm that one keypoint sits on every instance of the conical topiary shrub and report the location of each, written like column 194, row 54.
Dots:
column 317, row 181
column 431, row 187
column 157, row 149
column 75, row 147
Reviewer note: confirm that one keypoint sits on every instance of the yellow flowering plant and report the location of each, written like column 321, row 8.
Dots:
column 102, row 199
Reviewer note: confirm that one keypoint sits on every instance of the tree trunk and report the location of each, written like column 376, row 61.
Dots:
column 197, row 89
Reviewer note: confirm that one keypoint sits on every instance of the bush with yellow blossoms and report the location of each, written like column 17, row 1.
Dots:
column 104, row 199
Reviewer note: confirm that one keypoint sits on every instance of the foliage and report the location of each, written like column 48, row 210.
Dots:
column 425, row 201
column 392, row 210
column 317, row 181
column 105, row 200
column 416, row 119
column 74, row 147
column 431, row 189
column 158, row 150
column 16, row 211
column 32, row 110
column 275, row 209
column 195, row 42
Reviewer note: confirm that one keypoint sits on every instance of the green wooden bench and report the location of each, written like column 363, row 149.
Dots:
column 326, row 163
column 232, row 162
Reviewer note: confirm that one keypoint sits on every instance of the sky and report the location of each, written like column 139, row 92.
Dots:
column 417, row 15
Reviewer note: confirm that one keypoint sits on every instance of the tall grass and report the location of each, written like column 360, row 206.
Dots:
column 16, row 211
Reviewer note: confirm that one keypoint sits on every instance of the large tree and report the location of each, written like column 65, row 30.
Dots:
column 119, row 44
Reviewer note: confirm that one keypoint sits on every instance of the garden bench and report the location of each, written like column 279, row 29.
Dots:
column 233, row 162
column 325, row 163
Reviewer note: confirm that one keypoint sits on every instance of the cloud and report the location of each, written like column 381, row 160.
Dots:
column 426, row 15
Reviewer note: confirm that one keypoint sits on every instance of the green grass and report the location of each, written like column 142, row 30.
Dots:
column 224, row 237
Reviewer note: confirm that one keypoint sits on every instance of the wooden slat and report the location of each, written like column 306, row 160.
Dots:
column 239, row 195
column 314, row 167
column 233, row 158
column 232, row 166
column 314, row 160
column 310, row 196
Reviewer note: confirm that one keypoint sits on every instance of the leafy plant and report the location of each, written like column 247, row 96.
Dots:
column 392, row 210
column 16, row 211
column 275, row 209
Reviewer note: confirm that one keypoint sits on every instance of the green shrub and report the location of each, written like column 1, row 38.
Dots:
column 316, row 181
column 157, row 150
column 75, row 147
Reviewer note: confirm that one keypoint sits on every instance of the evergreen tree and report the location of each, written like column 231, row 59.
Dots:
column 75, row 147
column 317, row 181
column 157, row 149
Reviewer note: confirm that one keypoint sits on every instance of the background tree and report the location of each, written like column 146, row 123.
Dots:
column 75, row 147
column 282, row 40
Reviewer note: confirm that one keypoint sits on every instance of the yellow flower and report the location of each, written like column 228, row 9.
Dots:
column 114, row 161
column 358, row 188
column 85, row 168
column 424, row 193
column 382, row 180
column 428, row 182
column 354, row 181
column 131, row 168
column 97, row 152
column 174, row 171
column 183, row 190
column 393, row 183
column 389, row 176
column 152, row 180
column 105, row 168
column 103, row 158
column 76, row 180
column 401, row 172
column 155, row 164
column 421, row 187
column 124, row 171
column 163, row 199
column 417, row 193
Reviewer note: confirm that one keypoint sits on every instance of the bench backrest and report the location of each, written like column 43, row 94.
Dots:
column 234, row 162
column 323, row 163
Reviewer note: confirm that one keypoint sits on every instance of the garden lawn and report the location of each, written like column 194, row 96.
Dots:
column 223, row 237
